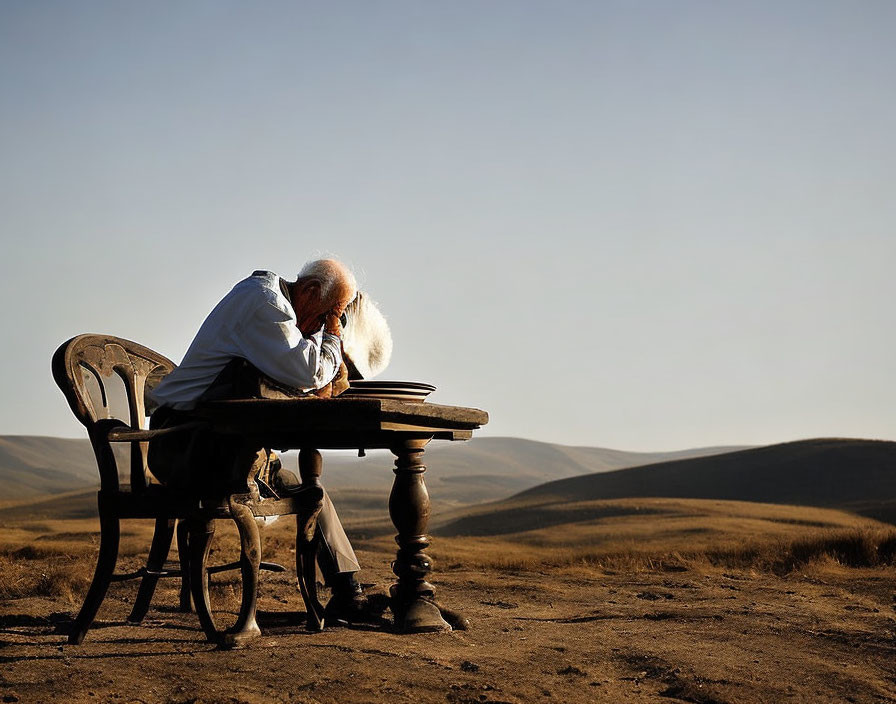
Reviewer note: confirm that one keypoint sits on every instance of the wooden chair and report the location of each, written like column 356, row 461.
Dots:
column 104, row 379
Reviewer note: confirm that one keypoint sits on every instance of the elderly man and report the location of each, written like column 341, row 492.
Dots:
column 289, row 332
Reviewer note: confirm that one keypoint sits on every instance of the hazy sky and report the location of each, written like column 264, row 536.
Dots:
column 635, row 224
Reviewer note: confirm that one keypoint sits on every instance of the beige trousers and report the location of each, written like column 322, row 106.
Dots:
column 335, row 546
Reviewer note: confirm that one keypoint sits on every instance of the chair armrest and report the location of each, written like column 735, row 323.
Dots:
column 122, row 433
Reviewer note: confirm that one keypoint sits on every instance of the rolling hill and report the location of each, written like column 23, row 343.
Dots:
column 483, row 469
column 524, row 480
column 853, row 475
column 486, row 469
column 33, row 466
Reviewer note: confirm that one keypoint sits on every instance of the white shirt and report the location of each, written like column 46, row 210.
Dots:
column 257, row 322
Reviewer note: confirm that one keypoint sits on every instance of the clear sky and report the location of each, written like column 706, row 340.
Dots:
column 638, row 224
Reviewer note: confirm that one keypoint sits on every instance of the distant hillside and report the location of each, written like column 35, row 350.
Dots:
column 855, row 475
column 33, row 466
column 483, row 469
column 486, row 469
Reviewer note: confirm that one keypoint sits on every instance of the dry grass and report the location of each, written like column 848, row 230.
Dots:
column 675, row 534
column 56, row 558
column 25, row 572
column 847, row 548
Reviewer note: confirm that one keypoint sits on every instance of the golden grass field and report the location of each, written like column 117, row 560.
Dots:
column 630, row 600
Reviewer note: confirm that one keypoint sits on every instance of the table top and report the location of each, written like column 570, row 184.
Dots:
column 340, row 423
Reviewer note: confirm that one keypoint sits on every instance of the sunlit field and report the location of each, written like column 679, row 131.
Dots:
column 625, row 600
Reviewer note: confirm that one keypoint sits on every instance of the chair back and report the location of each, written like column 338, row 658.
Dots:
column 105, row 379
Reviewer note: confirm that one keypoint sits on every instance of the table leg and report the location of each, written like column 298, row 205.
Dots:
column 412, row 596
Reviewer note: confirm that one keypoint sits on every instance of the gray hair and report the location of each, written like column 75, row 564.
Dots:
column 328, row 273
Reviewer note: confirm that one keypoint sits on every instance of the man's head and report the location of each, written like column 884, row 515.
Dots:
column 324, row 286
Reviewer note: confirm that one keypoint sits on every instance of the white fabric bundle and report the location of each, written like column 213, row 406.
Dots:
column 366, row 338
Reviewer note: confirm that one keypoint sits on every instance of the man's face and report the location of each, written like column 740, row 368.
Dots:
column 311, row 311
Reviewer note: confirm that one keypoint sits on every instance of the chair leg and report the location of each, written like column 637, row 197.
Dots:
column 201, row 531
column 183, row 554
column 110, row 532
column 245, row 627
column 155, row 563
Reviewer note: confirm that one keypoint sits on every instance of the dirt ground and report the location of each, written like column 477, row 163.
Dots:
column 575, row 634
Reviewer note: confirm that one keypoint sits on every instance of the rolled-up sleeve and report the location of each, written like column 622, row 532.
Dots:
column 269, row 338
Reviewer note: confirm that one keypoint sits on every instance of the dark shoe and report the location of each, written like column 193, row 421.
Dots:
column 455, row 619
column 347, row 608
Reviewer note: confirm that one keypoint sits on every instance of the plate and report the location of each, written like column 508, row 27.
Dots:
column 407, row 391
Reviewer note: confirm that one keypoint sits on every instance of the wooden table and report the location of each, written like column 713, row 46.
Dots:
column 310, row 424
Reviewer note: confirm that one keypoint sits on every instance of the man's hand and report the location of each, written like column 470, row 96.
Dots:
column 332, row 325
